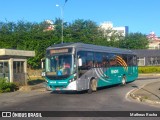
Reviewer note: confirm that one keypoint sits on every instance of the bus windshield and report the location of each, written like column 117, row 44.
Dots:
column 59, row 65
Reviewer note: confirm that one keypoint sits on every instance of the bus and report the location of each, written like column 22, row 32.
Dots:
column 79, row 67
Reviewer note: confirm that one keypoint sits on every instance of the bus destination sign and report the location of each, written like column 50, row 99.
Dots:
column 57, row 51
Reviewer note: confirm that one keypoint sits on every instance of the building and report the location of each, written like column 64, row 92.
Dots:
column 151, row 56
column 123, row 30
column 154, row 41
column 49, row 25
column 148, row 57
column 13, row 65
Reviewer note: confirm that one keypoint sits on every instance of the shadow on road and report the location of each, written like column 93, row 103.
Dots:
column 35, row 82
column 84, row 91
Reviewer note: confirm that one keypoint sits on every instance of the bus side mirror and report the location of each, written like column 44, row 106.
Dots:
column 79, row 62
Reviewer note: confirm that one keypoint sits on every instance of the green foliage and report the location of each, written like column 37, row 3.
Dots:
column 6, row 86
column 80, row 30
column 149, row 69
column 134, row 41
column 31, row 36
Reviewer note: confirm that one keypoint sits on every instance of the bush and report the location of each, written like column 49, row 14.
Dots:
column 6, row 86
column 149, row 69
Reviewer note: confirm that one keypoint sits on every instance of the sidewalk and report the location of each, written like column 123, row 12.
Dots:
column 24, row 94
column 149, row 93
column 151, row 75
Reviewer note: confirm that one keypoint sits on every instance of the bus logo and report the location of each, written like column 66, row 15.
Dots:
column 114, row 71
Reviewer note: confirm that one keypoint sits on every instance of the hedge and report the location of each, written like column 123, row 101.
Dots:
column 149, row 69
column 6, row 86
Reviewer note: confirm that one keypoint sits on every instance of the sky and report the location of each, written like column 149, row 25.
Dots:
column 139, row 15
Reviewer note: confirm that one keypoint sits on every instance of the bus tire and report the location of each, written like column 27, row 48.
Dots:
column 92, row 86
column 123, row 80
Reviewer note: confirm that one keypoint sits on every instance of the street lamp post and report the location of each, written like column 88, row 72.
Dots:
column 61, row 7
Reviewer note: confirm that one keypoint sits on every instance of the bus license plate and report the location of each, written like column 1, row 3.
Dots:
column 57, row 88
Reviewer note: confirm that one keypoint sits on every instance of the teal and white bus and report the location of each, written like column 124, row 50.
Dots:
column 78, row 67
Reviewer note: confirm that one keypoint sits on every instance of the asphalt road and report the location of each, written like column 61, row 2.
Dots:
column 108, row 99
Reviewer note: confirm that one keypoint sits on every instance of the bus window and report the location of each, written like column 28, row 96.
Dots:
column 98, row 60
column 134, row 60
column 120, row 60
column 125, row 58
column 112, row 60
column 89, row 59
column 105, row 60
column 130, row 60
column 82, row 55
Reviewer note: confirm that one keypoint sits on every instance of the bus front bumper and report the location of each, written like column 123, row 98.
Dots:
column 70, row 87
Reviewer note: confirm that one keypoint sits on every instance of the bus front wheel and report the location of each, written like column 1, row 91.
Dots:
column 124, row 80
column 92, row 86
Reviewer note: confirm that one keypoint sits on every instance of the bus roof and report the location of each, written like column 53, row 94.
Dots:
column 91, row 47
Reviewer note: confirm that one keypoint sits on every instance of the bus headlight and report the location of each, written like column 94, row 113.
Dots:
column 73, row 79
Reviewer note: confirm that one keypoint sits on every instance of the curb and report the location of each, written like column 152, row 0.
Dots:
column 142, row 99
column 149, row 74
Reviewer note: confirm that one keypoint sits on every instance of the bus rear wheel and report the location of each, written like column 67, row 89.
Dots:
column 92, row 86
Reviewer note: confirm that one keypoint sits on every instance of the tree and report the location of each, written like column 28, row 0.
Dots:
column 31, row 36
column 27, row 36
column 83, row 31
column 134, row 41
